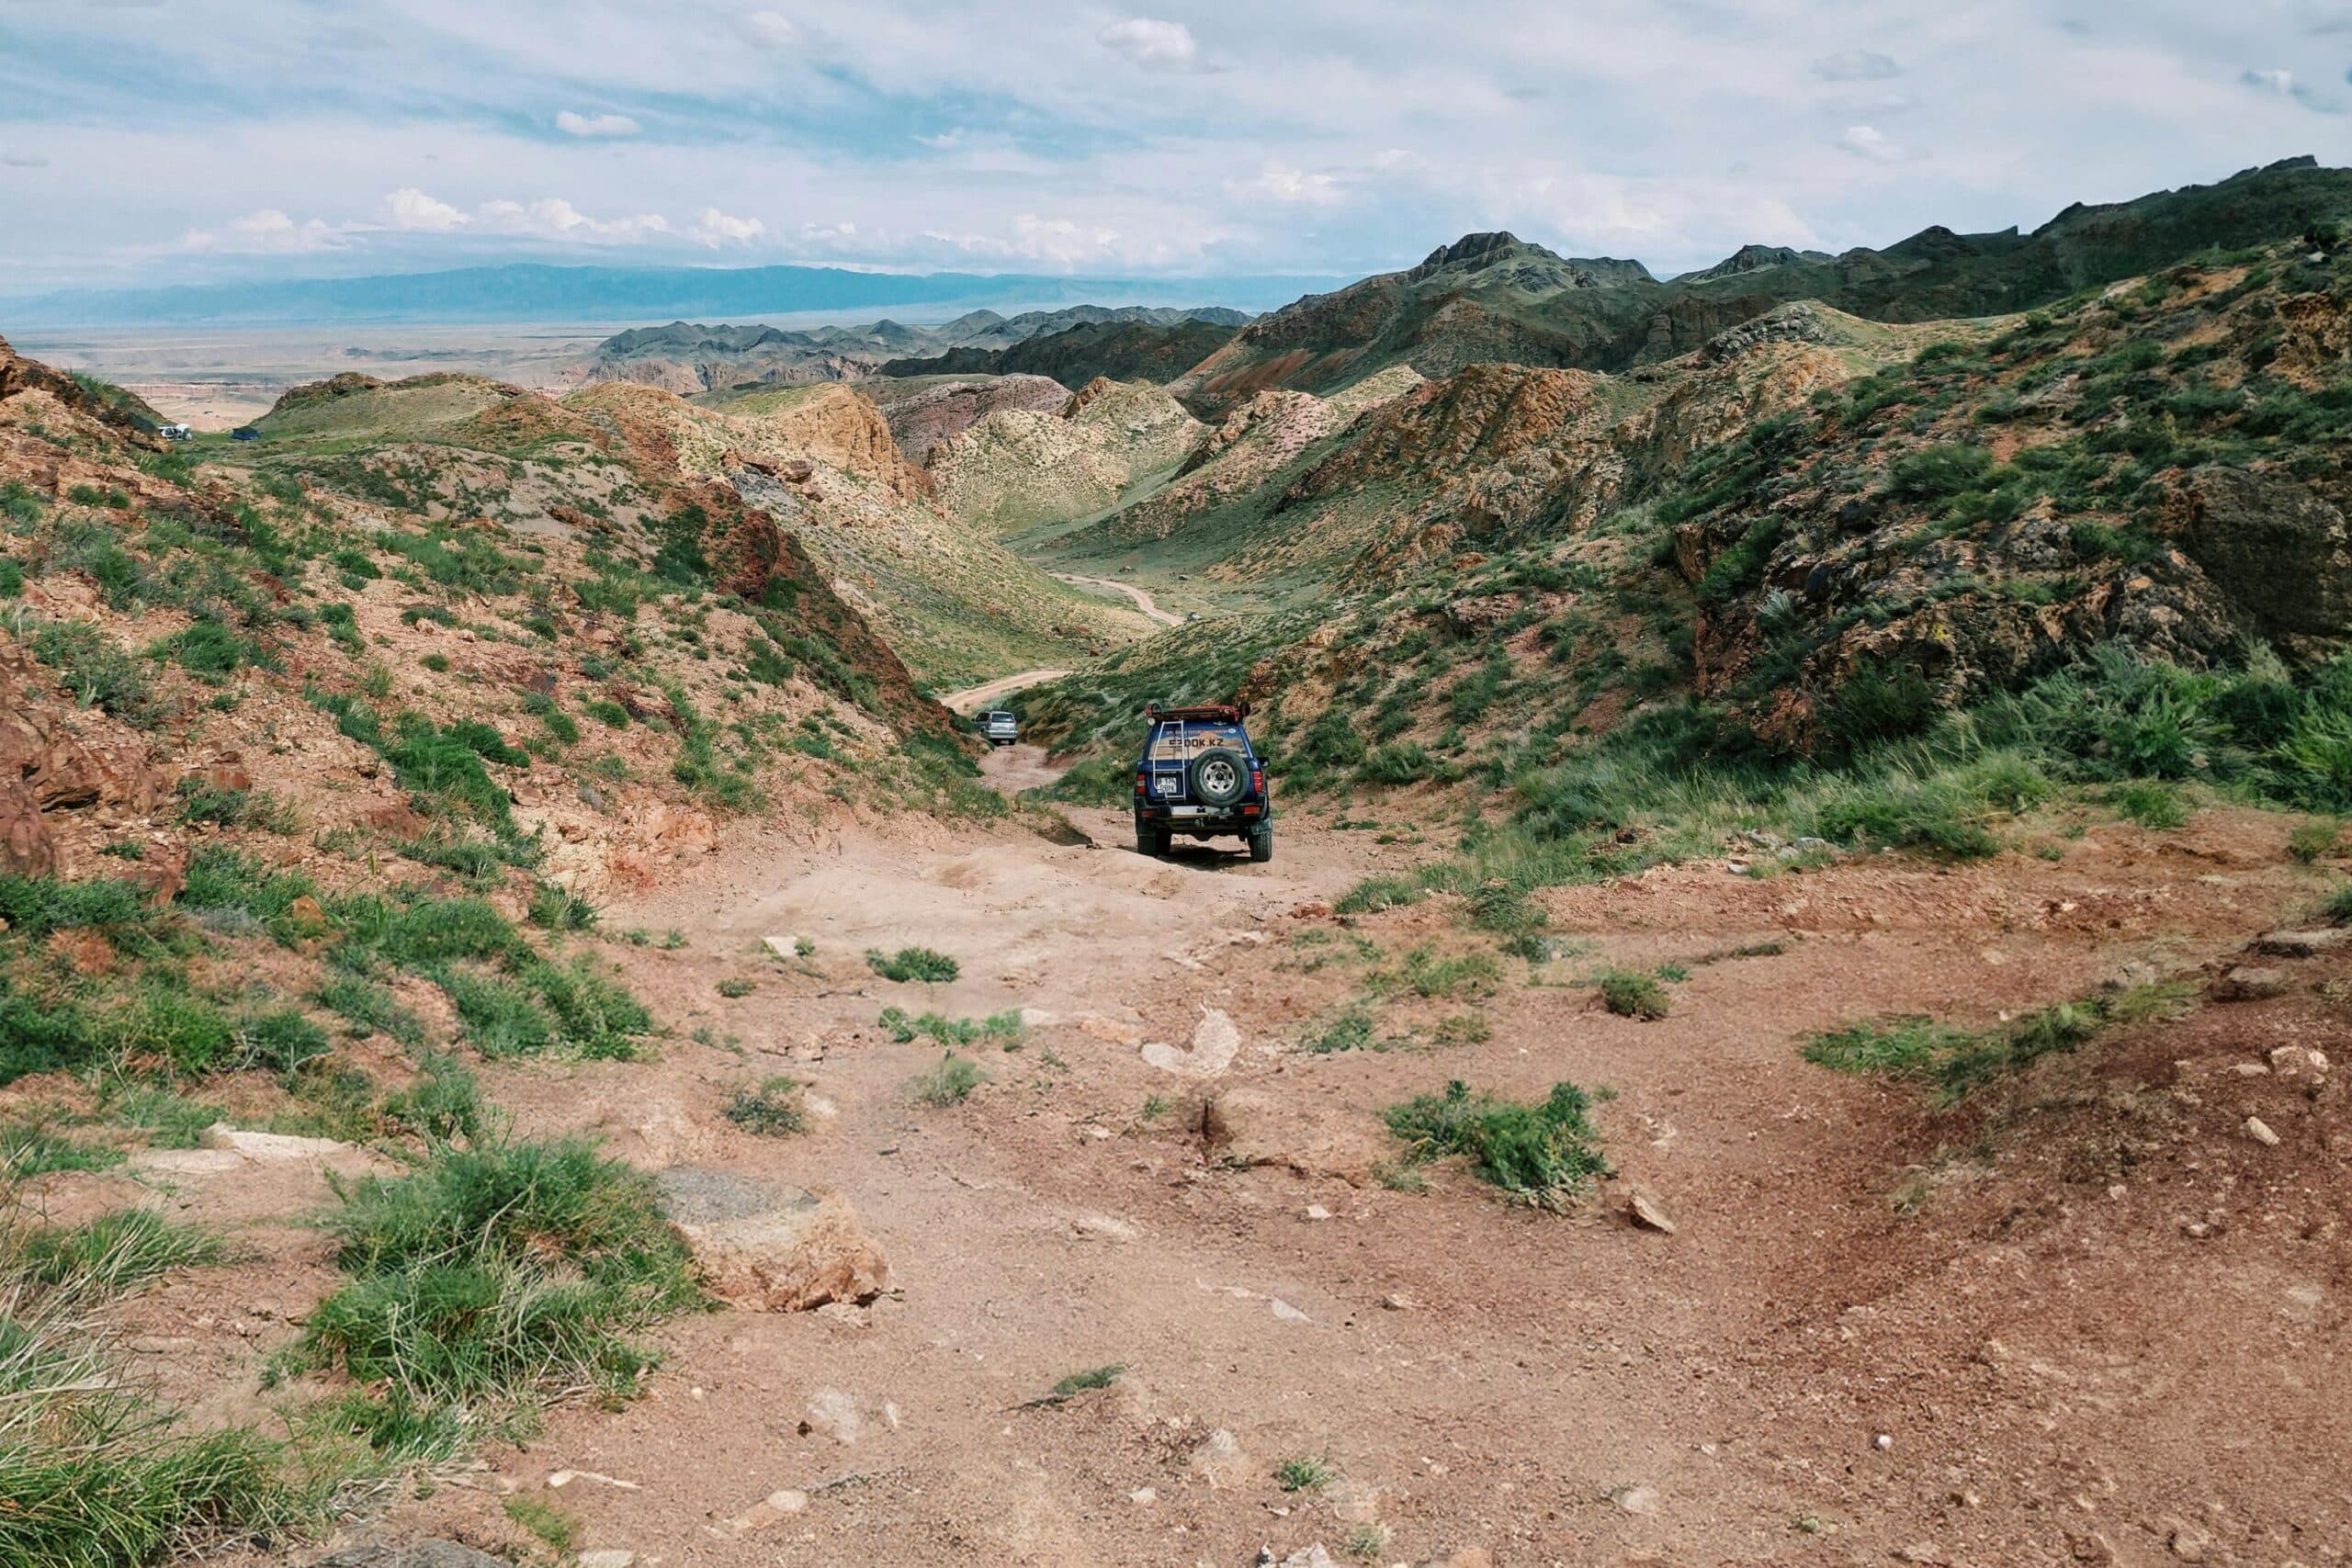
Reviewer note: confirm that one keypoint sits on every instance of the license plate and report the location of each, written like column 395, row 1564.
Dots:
column 1188, row 811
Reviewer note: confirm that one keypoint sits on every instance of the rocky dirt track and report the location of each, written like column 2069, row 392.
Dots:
column 2090, row 1319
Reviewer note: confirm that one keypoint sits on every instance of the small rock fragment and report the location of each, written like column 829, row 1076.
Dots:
column 2259, row 1131
column 2248, row 983
column 1644, row 1209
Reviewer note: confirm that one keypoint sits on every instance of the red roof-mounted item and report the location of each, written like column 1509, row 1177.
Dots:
column 1221, row 713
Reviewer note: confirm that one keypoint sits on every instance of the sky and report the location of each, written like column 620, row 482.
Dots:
column 178, row 140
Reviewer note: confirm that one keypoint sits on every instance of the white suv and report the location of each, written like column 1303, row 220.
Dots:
column 1000, row 727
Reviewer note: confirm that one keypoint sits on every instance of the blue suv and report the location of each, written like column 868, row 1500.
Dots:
column 1200, row 775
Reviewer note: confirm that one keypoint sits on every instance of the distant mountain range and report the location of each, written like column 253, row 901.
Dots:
column 533, row 292
column 1154, row 342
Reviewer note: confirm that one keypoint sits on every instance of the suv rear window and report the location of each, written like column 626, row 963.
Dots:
column 1176, row 742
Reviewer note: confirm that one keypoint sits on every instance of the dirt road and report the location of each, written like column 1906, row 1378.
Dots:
column 1142, row 601
column 1451, row 1374
column 971, row 699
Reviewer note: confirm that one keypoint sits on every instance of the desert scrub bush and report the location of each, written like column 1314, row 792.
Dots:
column 1069, row 1388
column 2150, row 803
column 1957, row 1061
column 773, row 1110
column 1537, row 1154
column 558, row 908
column 735, row 986
column 912, row 963
column 1001, row 1028
column 2337, row 910
column 1374, row 894
column 1095, row 781
column 1306, row 1473
column 99, row 673
column 608, row 713
column 491, row 1280
column 205, row 802
column 1351, row 1029
column 949, row 1083
column 1629, row 993
column 2312, row 842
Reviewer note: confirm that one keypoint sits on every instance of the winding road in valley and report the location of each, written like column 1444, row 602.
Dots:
column 1142, row 601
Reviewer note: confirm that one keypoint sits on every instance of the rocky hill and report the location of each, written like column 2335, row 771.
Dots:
column 1117, row 351
column 1870, row 584
column 1018, row 468
column 1495, row 297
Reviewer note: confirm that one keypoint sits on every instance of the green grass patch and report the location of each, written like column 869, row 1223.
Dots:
column 1538, row 1154
column 910, row 964
column 1957, row 1062
column 950, row 1082
column 494, row 1279
column 773, row 1109
column 1629, row 993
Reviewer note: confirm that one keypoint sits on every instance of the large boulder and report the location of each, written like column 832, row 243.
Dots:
column 2280, row 548
column 772, row 1250
column 1251, row 1126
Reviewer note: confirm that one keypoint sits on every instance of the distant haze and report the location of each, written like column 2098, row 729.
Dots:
column 532, row 292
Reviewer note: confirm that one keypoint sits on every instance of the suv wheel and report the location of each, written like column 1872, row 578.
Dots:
column 1262, row 844
column 1220, row 776
column 1150, row 840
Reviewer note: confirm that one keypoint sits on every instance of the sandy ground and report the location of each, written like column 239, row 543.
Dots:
column 2088, row 1321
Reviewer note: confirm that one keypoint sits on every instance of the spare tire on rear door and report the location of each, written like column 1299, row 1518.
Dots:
column 1219, row 776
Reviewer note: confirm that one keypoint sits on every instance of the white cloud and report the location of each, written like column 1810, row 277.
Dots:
column 2279, row 82
column 1869, row 142
column 1291, row 188
column 24, row 160
column 1154, row 45
column 268, row 232
column 572, row 124
column 552, row 217
column 769, row 29
column 715, row 228
column 1856, row 65
column 411, row 210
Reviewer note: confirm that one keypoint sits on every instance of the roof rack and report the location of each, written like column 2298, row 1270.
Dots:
column 1229, row 713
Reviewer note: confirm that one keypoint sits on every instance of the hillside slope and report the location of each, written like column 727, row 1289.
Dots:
column 1493, row 297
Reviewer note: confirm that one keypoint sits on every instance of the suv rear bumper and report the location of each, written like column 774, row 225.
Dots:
column 1245, row 819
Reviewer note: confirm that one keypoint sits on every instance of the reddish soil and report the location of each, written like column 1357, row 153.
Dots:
column 2092, row 1318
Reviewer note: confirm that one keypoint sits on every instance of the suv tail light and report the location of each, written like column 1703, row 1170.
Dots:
column 1257, row 781
column 1139, row 781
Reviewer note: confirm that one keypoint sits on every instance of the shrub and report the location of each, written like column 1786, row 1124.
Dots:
column 497, row 1278
column 1351, row 1030
column 609, row 714
column 1004, row 1028
column 950, row 1083
column 1309, row 1473
column 2149, row 803
column 2313, row 841
column 443, row 1105
column 561, row 909
column 737, row 985
column 1630, row 994
column 1535, row 1153
column 773, row 1109
column 913, row 964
